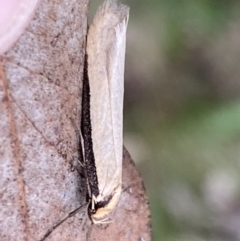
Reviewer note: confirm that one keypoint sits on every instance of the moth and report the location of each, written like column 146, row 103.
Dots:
column 102, row 111
column 102, row 108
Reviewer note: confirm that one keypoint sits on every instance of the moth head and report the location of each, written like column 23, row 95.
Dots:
column 104, row 206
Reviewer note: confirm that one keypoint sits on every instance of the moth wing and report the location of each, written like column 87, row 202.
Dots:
column 106, row 55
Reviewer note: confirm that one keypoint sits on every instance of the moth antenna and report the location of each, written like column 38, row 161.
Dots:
column 71, row 214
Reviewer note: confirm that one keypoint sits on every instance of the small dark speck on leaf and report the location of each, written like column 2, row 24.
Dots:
column 5, row 99
column 65, row 75
column 57, row 82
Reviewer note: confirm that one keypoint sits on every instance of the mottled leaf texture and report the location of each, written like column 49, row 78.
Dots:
column 40, row 106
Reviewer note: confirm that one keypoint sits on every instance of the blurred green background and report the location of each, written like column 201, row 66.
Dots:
column 182, row 114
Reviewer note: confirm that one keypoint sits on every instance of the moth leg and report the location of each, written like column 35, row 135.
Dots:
column 82, row 151
column 93, row 201
column 81, row 144
column 104, row 221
